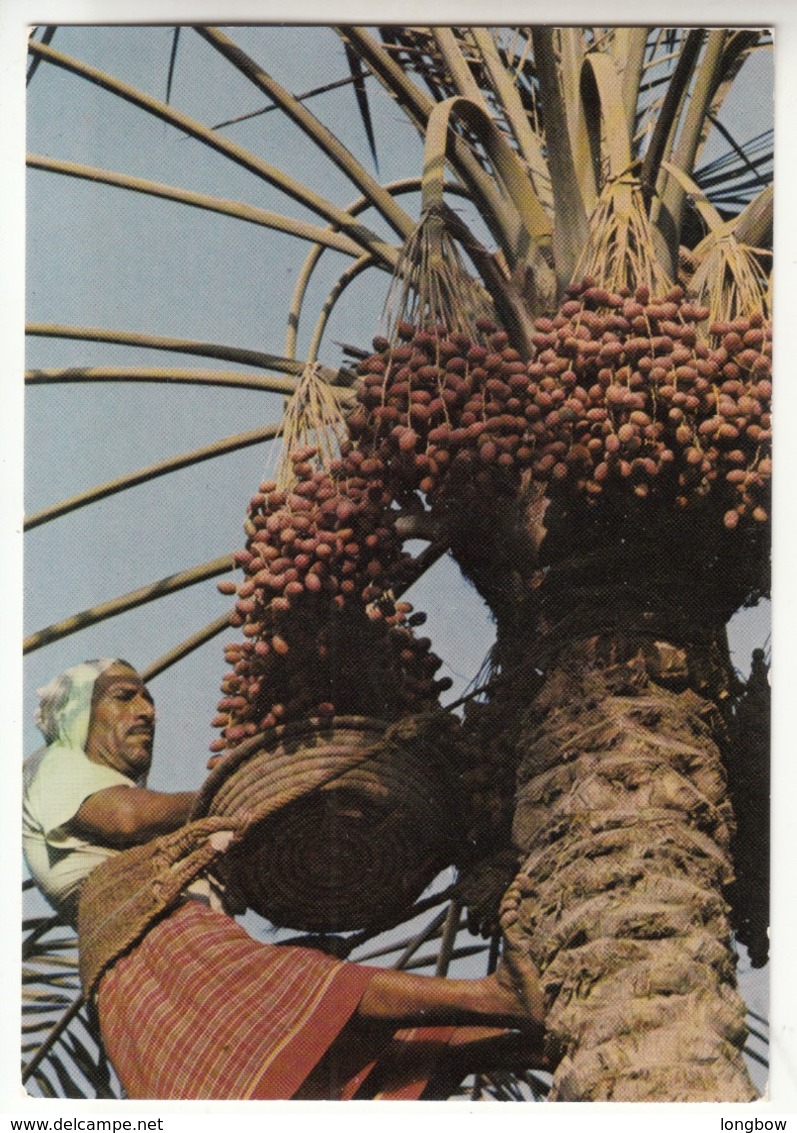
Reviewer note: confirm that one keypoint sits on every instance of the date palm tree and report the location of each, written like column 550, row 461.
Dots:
column 551, row 156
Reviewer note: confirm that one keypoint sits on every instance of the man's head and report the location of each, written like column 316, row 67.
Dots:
column 122, row 723
column 64, row 708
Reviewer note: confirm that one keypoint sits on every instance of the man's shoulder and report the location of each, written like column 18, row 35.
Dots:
column 58, row 763
column 33, row 764
column 53, row 756
column 57, row 781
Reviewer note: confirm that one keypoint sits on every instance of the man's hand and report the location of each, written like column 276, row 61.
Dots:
column 126, row 816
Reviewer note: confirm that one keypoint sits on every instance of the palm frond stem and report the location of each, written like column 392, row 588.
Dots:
column 731, row 183
column 151, row 472
column 418, row 107
column 172, row 63
column 737, row 149
column 129, row 601
column 273, row 105
column 519, row 199
column 47, row 37
column 253, row 215
column 452, row 56
column 32, row 1066
column 426, row 934
column 48, row 922
column 528, row 142
column 630, row 53
column 344, row 279
column 238, row 154
column 754, row 225
column 749, row 1053
column 358, row 77
column 359, row 939
column 677, row 88
column 430, row 960
column 752, row 146
column 671, row 195
column 322, row 137
column 607, row 108
column 450, row 930
column 178, row 652
column 234, row 379
column 570, row 238
column 408, row 946
column 179, row 346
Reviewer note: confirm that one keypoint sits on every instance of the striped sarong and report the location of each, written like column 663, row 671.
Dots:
column 200, row 1010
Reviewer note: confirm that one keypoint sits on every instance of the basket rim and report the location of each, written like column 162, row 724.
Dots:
column 272, row 737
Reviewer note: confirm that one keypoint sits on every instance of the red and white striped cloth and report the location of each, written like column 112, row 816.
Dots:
column 200, row 1010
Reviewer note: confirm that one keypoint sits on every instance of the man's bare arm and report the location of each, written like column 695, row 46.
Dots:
column 126, row 816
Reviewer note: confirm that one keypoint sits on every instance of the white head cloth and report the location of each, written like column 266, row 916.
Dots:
column 65, row 704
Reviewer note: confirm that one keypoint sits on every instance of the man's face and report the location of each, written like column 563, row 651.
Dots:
column 122, row 725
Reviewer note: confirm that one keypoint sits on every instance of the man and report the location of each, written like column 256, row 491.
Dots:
column 199, row 1009
column 84, row 796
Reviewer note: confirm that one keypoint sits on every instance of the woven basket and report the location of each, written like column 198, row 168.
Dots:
column 354, row 819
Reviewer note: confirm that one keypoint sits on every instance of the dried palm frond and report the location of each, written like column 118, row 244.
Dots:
column 621, row 249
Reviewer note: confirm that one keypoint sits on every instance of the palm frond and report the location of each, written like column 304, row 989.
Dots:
column 361, row 94
column 129, row 601
column 172, row 63
column 47, row 37
column 235, row 153
column 238, row 209
column 152, row 472
column 312, row 93
column 733, row 179
column 184, row 648
column 326, row 142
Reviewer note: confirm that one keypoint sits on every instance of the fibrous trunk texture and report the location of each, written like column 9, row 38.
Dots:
column 624, row 822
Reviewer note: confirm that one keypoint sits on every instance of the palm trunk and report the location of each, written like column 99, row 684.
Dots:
column 623, row 817
column 612, row 665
